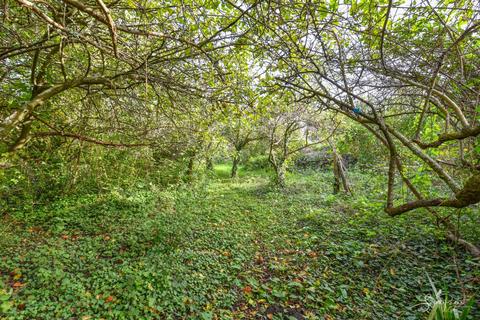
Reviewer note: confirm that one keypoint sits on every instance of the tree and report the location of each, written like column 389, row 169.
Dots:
column 241, row 130
column 108, row 54
column 339, row 171
column 372, row 62
column 290, row 128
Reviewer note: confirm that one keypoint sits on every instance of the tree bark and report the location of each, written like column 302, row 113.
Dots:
column 340, row 173
column 190, row 168
column 236, row 161
column 468, row 195
column 280, row 171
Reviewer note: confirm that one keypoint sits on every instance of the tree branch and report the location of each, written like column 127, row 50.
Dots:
column 91, row 140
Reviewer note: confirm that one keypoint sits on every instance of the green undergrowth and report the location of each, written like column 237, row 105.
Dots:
column 229, row 249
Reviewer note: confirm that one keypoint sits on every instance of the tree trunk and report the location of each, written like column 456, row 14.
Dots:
column 336, row 178
column 236, row 161
column 281, row 170
column 340, row 174
column 191, row 164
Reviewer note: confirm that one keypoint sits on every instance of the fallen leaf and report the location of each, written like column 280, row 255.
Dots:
column 226, row 254
column 247, row 290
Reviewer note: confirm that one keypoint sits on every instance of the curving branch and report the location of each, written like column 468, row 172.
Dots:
column 90, row 140
column 111, row 26
column 432, row 163
column 382, row 37
column 449, row 136
column 18, row 116
column 468, row 195
column 441, row 95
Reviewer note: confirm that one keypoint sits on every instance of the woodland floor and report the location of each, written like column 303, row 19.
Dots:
column 227, row 249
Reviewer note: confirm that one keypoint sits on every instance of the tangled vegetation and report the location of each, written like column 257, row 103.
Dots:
column 223, row 159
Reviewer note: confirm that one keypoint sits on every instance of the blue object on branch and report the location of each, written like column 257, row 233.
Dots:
column 356, row 110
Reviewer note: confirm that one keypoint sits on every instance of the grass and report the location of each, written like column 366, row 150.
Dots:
column 224, row 249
